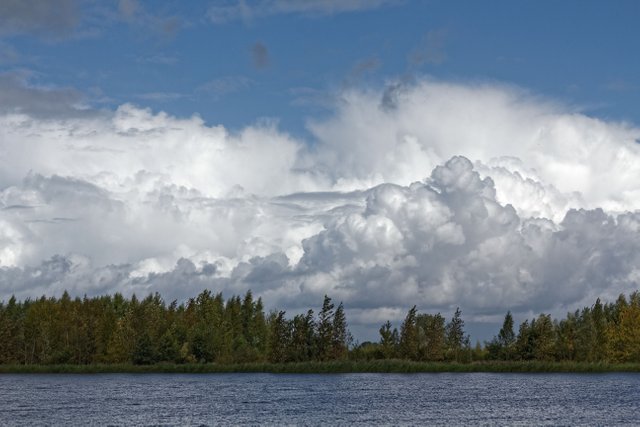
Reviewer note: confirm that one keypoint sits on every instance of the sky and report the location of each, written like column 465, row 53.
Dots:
column 384, row 152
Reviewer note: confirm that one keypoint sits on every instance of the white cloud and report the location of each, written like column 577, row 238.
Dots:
column 383, row 212
column 226, row 11
column 227, row 84
column 402, row 133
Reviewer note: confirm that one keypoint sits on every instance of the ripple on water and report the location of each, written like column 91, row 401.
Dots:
column 434, row 399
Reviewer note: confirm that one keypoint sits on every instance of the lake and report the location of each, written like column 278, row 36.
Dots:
column 213, row 399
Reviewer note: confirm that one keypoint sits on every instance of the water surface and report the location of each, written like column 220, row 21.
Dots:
column 213, row 399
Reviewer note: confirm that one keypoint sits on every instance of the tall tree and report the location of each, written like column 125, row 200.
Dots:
column 544, row 337
column 325, row 329
column 599, row 320
column 303, row 341
column 625, row 337
column 279, row 337
column 524, row 347
column 502, row 346
column 431, row 337
column 409, row 336
column 457, row 342
column 340, row 338
column 389, row 341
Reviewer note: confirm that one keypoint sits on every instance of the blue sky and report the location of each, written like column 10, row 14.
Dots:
column 384, row 152
column 286, row 65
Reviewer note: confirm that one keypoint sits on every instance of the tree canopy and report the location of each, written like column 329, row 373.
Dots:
column 208, row 328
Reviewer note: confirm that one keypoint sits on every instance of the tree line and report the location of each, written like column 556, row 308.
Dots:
column 599, row 333
column 208, row 328
column 114, row 329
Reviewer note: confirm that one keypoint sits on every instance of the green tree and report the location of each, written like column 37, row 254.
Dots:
column 625, row 337
column 544, row 337
column 340, row 338
column 389, row 341
column 303, row 339
column 325, row 329
column 502, row 346
column 599, row 320
column 168, row 347
column 458, row 345
column 409, row 336
column 524, row 342
column 431, row 337
column 12, row 332
column 143, row 350
column 279, row 337
column 566, row 338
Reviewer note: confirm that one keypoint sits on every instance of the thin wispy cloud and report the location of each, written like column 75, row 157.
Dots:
column 161, row 96
column 138, row 15
column 225, row 85
column 362, row 68
column 242, row 10
column 160, row 59
column 53, row 18
column 432, row 49
column 308, row 96
column 621, row 86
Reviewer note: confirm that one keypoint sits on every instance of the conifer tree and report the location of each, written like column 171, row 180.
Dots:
column 279, row 337
column 524, row 350
column 259, row 329
column 303, row 337
column 168, row 348
column 409, row 336
column 325, row 329
column 599, row 320
column 388, row 341
column 507, row 336
column 544, row 337
column 341, row 338
column 143, row 351
column 457, row 342
column 502, row 346
column 566, row 338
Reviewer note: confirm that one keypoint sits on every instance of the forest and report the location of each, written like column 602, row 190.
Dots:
column 209, row 329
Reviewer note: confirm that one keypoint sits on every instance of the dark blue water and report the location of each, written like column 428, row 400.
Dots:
column 431, row 399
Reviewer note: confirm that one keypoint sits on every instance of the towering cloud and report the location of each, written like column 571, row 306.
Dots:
column 428, row 193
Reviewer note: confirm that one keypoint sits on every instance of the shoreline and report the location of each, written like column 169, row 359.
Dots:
column 339, row 367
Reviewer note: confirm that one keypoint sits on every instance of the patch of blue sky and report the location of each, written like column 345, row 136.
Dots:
column 578, row 52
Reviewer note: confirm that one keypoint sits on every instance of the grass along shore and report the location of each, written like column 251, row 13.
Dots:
column 374, row 366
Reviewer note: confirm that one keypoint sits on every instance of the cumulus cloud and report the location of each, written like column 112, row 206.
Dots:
column 430, row 193
column 397, row 134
